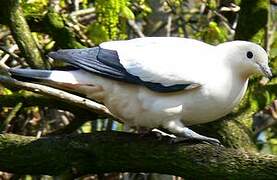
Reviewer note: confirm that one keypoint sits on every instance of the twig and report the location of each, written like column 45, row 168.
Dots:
column 76, row 5
column 183, row 20
column 10, row 52
column 76, row 26
column 72, row 126
column 272, row 29
column 87, row 19
column 12, row 114
column 135, row 28
column 157, row 27
column 4, row 34
column 3, row 66
column 224, row 21
column 82, row 12
column 267, row 33
column 168, row 26
column 58, row 94
column 55, row 5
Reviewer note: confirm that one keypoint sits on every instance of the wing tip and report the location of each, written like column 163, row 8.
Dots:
column 54, row 55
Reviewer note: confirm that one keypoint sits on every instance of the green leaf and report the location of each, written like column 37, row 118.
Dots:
column 7, row 91
column 97, row 33
column 127, row 13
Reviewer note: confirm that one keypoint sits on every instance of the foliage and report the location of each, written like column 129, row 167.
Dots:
column 34, row 7
column 214, row 34
column 107, row 27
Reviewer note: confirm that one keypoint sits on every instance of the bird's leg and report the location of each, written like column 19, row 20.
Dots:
column 178, row 129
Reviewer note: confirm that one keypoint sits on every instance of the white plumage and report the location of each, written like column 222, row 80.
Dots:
column 162, row 60
column 162, row 82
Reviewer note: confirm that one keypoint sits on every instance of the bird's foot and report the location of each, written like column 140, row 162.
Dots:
column 183, row 133
column 177, row 139
column 189, row 134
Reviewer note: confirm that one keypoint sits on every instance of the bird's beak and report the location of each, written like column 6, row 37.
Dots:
column 265, row 70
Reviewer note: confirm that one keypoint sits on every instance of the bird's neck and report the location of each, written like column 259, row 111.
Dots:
column 239, row 69
column 241, row 73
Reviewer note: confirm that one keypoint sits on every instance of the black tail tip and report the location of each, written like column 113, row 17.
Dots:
column 29, row 75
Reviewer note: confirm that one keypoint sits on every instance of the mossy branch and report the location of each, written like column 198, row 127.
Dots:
column 21, row 32
column 123, row 152
column 54, row 24
column 50, row 23
column 56, row 27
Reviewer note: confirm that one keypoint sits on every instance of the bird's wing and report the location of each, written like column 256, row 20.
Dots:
column 133, row 63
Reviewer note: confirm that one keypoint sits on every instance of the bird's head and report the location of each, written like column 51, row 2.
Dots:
column 246, row 58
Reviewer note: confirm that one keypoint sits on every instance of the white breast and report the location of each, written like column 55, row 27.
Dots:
column 212, row 105
column 138, row 106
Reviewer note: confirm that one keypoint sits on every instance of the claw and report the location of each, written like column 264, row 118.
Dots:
column 207, row 140
column 213, row 141
column 177, row 139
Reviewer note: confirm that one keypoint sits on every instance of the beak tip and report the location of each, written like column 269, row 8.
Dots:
column 268, row 74
column 267, row 71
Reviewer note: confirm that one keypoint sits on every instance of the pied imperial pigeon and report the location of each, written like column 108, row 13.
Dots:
column 159, row 82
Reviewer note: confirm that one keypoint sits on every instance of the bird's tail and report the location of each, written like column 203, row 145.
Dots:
column 74, row 81
column 30, row 75
column 55, row 78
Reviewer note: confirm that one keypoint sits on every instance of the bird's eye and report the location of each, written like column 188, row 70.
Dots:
column 249, row 55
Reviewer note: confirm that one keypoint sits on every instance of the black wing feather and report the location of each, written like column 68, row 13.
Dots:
column 106, row 63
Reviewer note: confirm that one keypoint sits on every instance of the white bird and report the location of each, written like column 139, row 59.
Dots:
column 154, row 82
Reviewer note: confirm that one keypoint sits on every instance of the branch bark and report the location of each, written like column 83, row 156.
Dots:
column 103, row 152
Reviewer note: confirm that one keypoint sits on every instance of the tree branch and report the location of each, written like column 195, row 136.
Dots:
column 103, row 152
column 29, row 99
column 135, row 28
column 58, row 94
column 12, row 114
